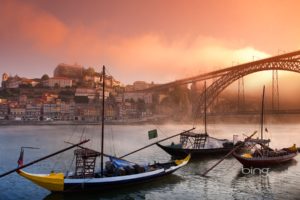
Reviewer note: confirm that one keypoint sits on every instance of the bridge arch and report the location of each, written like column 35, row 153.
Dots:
column 287, row 62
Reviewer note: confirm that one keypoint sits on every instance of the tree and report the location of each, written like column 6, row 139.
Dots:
column 25, row 85
column 141, row 105
column 66, row 93
column 89, row 71
column 111, row 99
column 132, row 101
column 81, row 99
column 45, row 77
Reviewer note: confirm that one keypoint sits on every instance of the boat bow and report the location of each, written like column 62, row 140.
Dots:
column 53, row 181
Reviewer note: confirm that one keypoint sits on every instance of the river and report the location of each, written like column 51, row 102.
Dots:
column 226, row 181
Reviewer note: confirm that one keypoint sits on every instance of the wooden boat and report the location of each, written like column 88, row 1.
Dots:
column 198, row 144
column 59, row 182
column 257, row 153
column 265, row 157
column 116, row 173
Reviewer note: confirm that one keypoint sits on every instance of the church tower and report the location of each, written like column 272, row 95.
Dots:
column 4, row 79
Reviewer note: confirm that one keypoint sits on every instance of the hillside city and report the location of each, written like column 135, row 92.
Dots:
column 74, row 93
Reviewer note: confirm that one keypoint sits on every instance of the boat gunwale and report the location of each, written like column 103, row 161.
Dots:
column 274, row 158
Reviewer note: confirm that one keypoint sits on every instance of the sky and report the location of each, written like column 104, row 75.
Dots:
column 155, row 40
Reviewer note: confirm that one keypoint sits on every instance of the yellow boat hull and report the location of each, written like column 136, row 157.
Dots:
column 57, row 182
column 53, row 181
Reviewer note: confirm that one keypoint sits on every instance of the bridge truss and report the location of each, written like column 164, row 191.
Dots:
column 224, row 77
column 286, row 62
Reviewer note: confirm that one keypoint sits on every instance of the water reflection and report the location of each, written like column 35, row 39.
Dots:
column 224, row 182
column 130, row 192
column 252, row 186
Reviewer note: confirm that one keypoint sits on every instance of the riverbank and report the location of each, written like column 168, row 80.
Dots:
column 55, row 123
column 228, row 119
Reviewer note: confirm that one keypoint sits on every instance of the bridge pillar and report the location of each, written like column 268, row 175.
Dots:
column 275, row 91
column 241, row 95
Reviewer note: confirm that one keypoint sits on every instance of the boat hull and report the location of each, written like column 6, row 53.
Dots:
column 56, row 182
column 263, row 162
column 97, row 184
column 176, row 152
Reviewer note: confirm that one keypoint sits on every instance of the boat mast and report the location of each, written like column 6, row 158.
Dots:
column 102, row 132
column 262, row 114
column 205, row 126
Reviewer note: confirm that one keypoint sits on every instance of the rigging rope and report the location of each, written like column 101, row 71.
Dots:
column 60, row 155
column 113, row 143
column 70, row 166
column 82, row 134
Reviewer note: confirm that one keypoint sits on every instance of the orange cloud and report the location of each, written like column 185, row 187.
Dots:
column 180, row 58
column 31, row 25
column 149, row 54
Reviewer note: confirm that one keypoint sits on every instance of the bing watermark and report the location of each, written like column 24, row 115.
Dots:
column 253, row 171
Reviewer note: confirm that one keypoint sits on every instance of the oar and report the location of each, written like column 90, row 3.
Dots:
column 149, row 145
column 43, row 158
column 265, row 146
column 228, row 154
column 107, row 155
column 104, row 154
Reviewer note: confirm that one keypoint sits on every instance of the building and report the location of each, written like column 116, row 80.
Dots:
column 13, row 82
column 51, row 110
column 23, row 99
column 16, row 81
column 3, row 101
column 129, row 88
column 3, row 111
column 61, row 82
column 29, row 82
column 87, row 112
column 67, row 110
column 94, row 79
column 33, row 111
column 90, row 114
column 4, row 79
column 106, row 93
column 161, row 97
column 140, row 85
column 110, row 112
column 47, row 97
column 147, row 97
column 87, row 92
column 17, row 113
column 119, row 98
column 130, row 110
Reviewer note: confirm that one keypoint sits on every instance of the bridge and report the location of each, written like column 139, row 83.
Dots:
column 224, row 77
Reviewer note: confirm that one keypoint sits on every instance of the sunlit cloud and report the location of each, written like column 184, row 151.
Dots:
column 152, row 55
column 32, row 26
column 178, row 59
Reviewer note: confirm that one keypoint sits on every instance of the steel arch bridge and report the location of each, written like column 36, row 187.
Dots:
column 286, row 62
column 225, row 77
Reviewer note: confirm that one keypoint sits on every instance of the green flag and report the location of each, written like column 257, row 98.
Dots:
column 152, row 134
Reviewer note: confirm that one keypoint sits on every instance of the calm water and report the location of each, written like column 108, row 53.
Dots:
column 225, row 182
